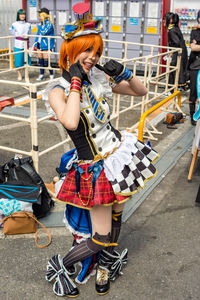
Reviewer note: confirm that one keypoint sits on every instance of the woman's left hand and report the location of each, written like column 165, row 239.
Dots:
column 111, row 68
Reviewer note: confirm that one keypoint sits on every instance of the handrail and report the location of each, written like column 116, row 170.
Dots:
column 153, row 108
column 4, row 50
column 150, row 63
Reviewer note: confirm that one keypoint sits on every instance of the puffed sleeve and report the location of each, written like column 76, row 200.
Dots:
column 12, row 29
column 59, row 83
column 106, row 88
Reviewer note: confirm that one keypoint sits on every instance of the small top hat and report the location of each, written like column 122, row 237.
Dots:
column 84, row 24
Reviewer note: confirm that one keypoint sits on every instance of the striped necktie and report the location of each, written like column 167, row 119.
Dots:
column 98, row 111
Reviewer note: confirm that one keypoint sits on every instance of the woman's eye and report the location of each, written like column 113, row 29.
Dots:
column 98, row 53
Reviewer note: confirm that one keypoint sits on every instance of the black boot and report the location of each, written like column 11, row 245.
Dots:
column 192, row 111
column 63, row 285
column 110, row 267
column 120, row 261
column 103, row 275
column 193, row 122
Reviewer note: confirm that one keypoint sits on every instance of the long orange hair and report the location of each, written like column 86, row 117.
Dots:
column 70, row 49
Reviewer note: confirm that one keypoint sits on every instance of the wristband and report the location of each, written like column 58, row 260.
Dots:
column 75, row 85
column 126, row 74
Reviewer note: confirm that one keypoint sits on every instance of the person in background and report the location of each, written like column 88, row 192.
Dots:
column 19, row 29
column 42, row 44
column 194, row 66
column 110, row 165
column 176, row 40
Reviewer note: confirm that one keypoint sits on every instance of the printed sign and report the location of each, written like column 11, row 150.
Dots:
column 152, row 10
column 99, row 9
column 151, row 22
column 116, row 28
column 133, row 21
column 32, row 3
column 116, row 9
column 62, row 17
column 32, row 10
column 151, row 29
column 134, row 9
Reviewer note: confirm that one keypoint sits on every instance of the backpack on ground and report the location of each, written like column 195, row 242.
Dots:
column 21, row 173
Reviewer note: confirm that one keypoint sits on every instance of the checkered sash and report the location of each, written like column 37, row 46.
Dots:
column 137, row 172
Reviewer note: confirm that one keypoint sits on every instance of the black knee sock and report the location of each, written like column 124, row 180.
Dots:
column 192, row 109
column 46, row 65
column 41, row 62
column 86, row 249
column 116, row 227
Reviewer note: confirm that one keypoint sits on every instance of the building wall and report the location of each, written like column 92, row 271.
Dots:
column 187, row 11
column 132, row 20
column 8, row 13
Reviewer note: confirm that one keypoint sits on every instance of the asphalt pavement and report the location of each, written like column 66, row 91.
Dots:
column 162, row 235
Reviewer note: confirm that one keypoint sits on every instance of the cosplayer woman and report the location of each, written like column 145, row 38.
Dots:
column 175, row 39
column 41, row 43
column 111, row 165
column 20, row 28
column 194, row 65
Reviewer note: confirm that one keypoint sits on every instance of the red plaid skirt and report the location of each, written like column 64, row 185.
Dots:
column 104, row 194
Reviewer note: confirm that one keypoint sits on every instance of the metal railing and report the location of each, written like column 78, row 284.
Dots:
column 154, row 79
column 152, row 109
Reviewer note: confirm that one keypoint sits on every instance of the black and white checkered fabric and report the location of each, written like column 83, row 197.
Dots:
column 137, row 172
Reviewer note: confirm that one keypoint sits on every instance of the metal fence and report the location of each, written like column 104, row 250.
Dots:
column 155, row 75
column 8, row 13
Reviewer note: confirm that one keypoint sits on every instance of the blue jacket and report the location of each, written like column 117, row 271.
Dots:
column 45, row 28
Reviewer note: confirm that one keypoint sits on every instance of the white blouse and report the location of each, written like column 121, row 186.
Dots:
column 20, row 28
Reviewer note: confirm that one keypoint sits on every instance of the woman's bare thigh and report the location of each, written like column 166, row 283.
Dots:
column 101, row 218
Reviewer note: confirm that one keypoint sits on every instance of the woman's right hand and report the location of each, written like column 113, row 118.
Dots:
column 76, row 70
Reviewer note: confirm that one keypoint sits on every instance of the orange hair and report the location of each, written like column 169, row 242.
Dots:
column 70, row 49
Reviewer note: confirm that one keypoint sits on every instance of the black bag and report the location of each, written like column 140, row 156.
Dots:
column 22, row 171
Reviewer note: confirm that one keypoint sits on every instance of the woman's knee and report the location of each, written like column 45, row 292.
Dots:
column 118, row 207
column 116, row 219
column 40, row 55
column 98, row 242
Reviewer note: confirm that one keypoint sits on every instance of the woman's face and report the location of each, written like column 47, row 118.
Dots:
column 164, row 23
column 22, row 17
column 87, row 60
